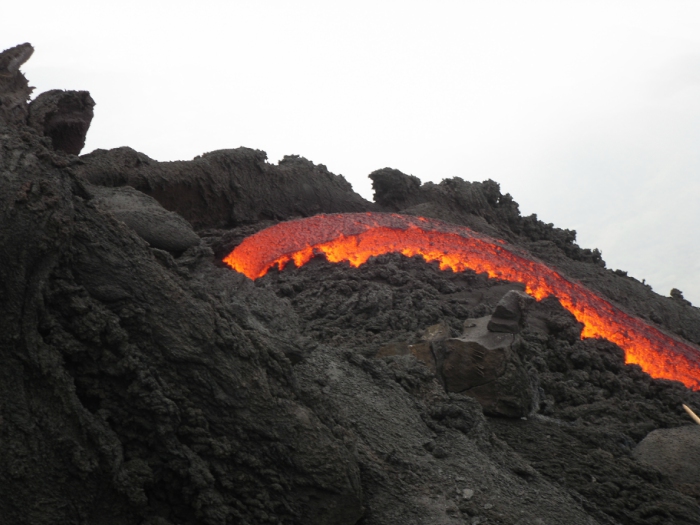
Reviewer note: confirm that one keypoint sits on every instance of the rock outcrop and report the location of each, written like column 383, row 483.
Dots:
column 14, row 88
column 64, row 117
column 226, row 188
column 143, row 382
column 507, row 317
column 481, row 363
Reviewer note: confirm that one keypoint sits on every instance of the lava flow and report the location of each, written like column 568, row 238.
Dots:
column 355, row 237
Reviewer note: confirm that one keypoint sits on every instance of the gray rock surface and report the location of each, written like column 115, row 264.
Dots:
column 226, row 188
column 676, row 453
column 14, row 88
column 591, row 409
column 64, row 117
column 485, row 365
column 159, row 227
column 482, row 207
column 140, row 386
column 508, row 313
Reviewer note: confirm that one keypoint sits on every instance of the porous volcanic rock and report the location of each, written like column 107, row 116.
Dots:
column 14, row 88
column 227, row 188
column 64, row 117
column 144, row 386
column 590, row 409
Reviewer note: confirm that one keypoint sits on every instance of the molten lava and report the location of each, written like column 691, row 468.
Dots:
column 355, row 237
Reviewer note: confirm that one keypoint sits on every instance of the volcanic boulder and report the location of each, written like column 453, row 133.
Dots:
column 509, row 310
column 482, row 364
column 395, row 190
column 676, row 453
column 424, row 350
column 485, row 365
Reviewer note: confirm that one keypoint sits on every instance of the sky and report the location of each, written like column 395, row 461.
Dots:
column 587, row 112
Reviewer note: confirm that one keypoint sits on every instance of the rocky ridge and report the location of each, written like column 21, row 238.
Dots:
column 145, row 382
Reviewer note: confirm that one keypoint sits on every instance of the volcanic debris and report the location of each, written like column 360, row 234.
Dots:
column 143, row 381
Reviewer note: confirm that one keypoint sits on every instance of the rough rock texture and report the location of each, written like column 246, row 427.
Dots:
column 676, row 453
column 481, row 363
column 509, row 311
column 590, row 409
column 482, row 207
column 128, row 392
column 228, row 187
column 14, row 88
column 479, row 205
column 485, row 365
column 64, row 117
column 142, row 386
column 160, row 228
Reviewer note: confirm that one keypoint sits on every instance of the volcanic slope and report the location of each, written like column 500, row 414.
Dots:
column 141, row 385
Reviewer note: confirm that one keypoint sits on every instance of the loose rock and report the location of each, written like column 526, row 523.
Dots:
column 509, row 310
column 676, row 453
column 484, row 365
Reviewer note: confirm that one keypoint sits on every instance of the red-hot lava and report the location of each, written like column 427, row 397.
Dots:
column 355, row 237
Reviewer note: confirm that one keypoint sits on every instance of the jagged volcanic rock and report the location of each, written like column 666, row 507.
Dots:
column 485, row 365
column 64, row 117
column 14, row 88
column 143, row 386
column 227, row 188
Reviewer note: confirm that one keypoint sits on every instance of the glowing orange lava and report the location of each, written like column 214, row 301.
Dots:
column 355, row 237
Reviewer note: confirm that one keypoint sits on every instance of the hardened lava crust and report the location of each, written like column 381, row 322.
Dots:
column 145, row 381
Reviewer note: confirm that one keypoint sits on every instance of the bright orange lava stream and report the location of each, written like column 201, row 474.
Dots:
column 355, row 237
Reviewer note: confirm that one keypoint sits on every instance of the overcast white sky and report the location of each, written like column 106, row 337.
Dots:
column 587, row 112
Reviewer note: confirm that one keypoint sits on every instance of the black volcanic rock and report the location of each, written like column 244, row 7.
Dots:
column 145, row 386
column 64, row 117
column 676, row 453
column 129, row 392
column 160, row 228
column 395, row 190
column 14, row 88
column 226, row 188
column 509, row 310
column 485, row 365
column 478, row 205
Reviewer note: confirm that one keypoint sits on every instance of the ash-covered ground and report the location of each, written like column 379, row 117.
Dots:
column 144, row 382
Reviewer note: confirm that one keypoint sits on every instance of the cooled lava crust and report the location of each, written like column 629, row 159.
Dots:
column 355, row 237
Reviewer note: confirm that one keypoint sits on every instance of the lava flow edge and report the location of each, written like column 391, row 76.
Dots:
column 357, row 237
